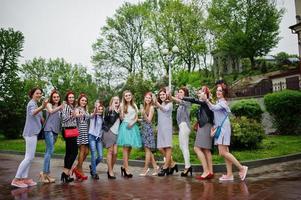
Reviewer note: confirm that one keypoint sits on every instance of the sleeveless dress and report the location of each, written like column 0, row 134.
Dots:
column 148, row 138
column 83, row 127
column 129, row 137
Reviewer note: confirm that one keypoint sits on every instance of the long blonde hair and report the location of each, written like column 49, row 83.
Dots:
column 125, row 104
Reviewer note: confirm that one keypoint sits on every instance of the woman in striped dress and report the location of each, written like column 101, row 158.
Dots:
column 82, row 118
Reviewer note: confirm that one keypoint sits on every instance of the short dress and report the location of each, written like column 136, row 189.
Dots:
column 222, row 110
column 129, row 137
column 164, row 138
column 83, row 127
column 148, row 138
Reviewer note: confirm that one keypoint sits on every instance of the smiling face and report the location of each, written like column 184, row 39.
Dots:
column 70, row 99
column 128, row 97
column 162, row 96
column 100, row 109
column 83, row 102
column 219, row 92
column 37, row 95
column 56, row 98
column 148, row 99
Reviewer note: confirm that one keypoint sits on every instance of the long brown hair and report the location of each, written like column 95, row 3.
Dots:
column 66, row 98
column 167, row 96
column 82, row 95
column 224, row 88
column 51, row 97
column 185, row 90
column 33, row 90
column 146, row 107
column 125, row 104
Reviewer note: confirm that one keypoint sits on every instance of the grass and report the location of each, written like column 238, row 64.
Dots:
column 272, row 146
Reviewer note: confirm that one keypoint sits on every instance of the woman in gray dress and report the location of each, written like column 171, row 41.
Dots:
column 164, row 139
column 203, row 140
column 221, row 111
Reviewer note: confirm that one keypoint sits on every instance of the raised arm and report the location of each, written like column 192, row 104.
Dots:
column 194, row 100
column 148, row 118
column 50, row 110
column 67, row 114
column 33, row 110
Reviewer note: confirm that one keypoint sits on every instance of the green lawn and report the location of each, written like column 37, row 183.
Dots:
column 272, row 146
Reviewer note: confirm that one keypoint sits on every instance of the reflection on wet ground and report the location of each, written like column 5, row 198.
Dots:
column 278, row 181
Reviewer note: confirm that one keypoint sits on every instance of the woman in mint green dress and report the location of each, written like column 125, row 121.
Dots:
column 128, row 134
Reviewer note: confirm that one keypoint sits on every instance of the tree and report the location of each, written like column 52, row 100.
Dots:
column 245, row 28
column 11, row 45
column 57, row 73
column 12, row 98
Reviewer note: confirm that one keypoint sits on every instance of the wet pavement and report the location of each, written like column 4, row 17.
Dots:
column 275, row 181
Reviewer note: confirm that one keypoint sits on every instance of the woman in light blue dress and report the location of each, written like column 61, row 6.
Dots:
column 128, row 134
column 221, row 111
column 164, row 138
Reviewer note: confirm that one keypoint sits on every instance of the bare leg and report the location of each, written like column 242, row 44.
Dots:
column 201, row 156
column 168, row 152
column 81, row 158
column 208, row 157
column 229, row 159
column 147, row 158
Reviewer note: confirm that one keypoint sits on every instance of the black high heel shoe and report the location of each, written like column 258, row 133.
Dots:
column 66, row 178
column 163, row 172
column 111, row 177
column 124, row 173
column 172, row 169
column 186, row 171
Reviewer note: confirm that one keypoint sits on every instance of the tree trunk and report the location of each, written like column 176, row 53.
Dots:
column 252, row 59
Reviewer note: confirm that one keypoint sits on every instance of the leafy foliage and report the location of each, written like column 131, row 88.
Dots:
column 246, row 133
column 248, row 108
column 285, row 107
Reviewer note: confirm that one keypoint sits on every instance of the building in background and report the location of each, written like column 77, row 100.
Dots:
column 296, row 29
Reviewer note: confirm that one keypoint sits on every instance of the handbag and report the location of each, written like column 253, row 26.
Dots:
column 215, row 132
column 41, row 135
column 72, row 132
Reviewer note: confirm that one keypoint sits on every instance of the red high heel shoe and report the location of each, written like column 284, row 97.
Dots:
column 78, row 175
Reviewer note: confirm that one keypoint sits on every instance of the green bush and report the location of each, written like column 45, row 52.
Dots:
column 248, row 108
column 246, row 133
column 285, row 107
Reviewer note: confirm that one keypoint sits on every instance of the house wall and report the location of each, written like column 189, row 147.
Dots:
column 280, row 83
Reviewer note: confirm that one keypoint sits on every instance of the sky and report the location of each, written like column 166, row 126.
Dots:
column 68, row 28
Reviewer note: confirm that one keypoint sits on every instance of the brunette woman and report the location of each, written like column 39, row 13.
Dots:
column 164, row 138
column 148, row 138
column 52, row 128
column 33, row 125
column 129, row 134
column 69, row 122
column 221, row 112
column 110, row 127
column 82, row 118
column 203, row 140
column 183, row 120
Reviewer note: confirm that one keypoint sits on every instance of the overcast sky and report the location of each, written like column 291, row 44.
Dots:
column 67, row 28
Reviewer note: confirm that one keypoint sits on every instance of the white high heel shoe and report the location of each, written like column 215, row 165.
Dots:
column 145, row 173
column 155, row 173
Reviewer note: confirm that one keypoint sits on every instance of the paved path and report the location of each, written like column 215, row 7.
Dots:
column 276, row 181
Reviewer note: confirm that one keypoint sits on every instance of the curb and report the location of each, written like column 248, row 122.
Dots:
column 195, row 167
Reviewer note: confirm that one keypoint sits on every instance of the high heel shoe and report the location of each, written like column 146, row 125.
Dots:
column 155, row 173
column 125, row 174
column 111, row 177
column 66, row 178
column 78, row 175
column 163, row 172
column 43, row 178
column 186, row 171
column 145, row 172
column 50, row 179
column 172, row 169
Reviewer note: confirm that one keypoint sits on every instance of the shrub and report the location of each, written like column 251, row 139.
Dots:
column 285, row 107
column 248, row 108
column 246, row 133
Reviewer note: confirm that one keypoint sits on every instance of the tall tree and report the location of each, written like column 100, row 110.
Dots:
column 11, row 45
column 245, row 28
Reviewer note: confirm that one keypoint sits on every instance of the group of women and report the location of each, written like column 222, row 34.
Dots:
column 117, row 126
